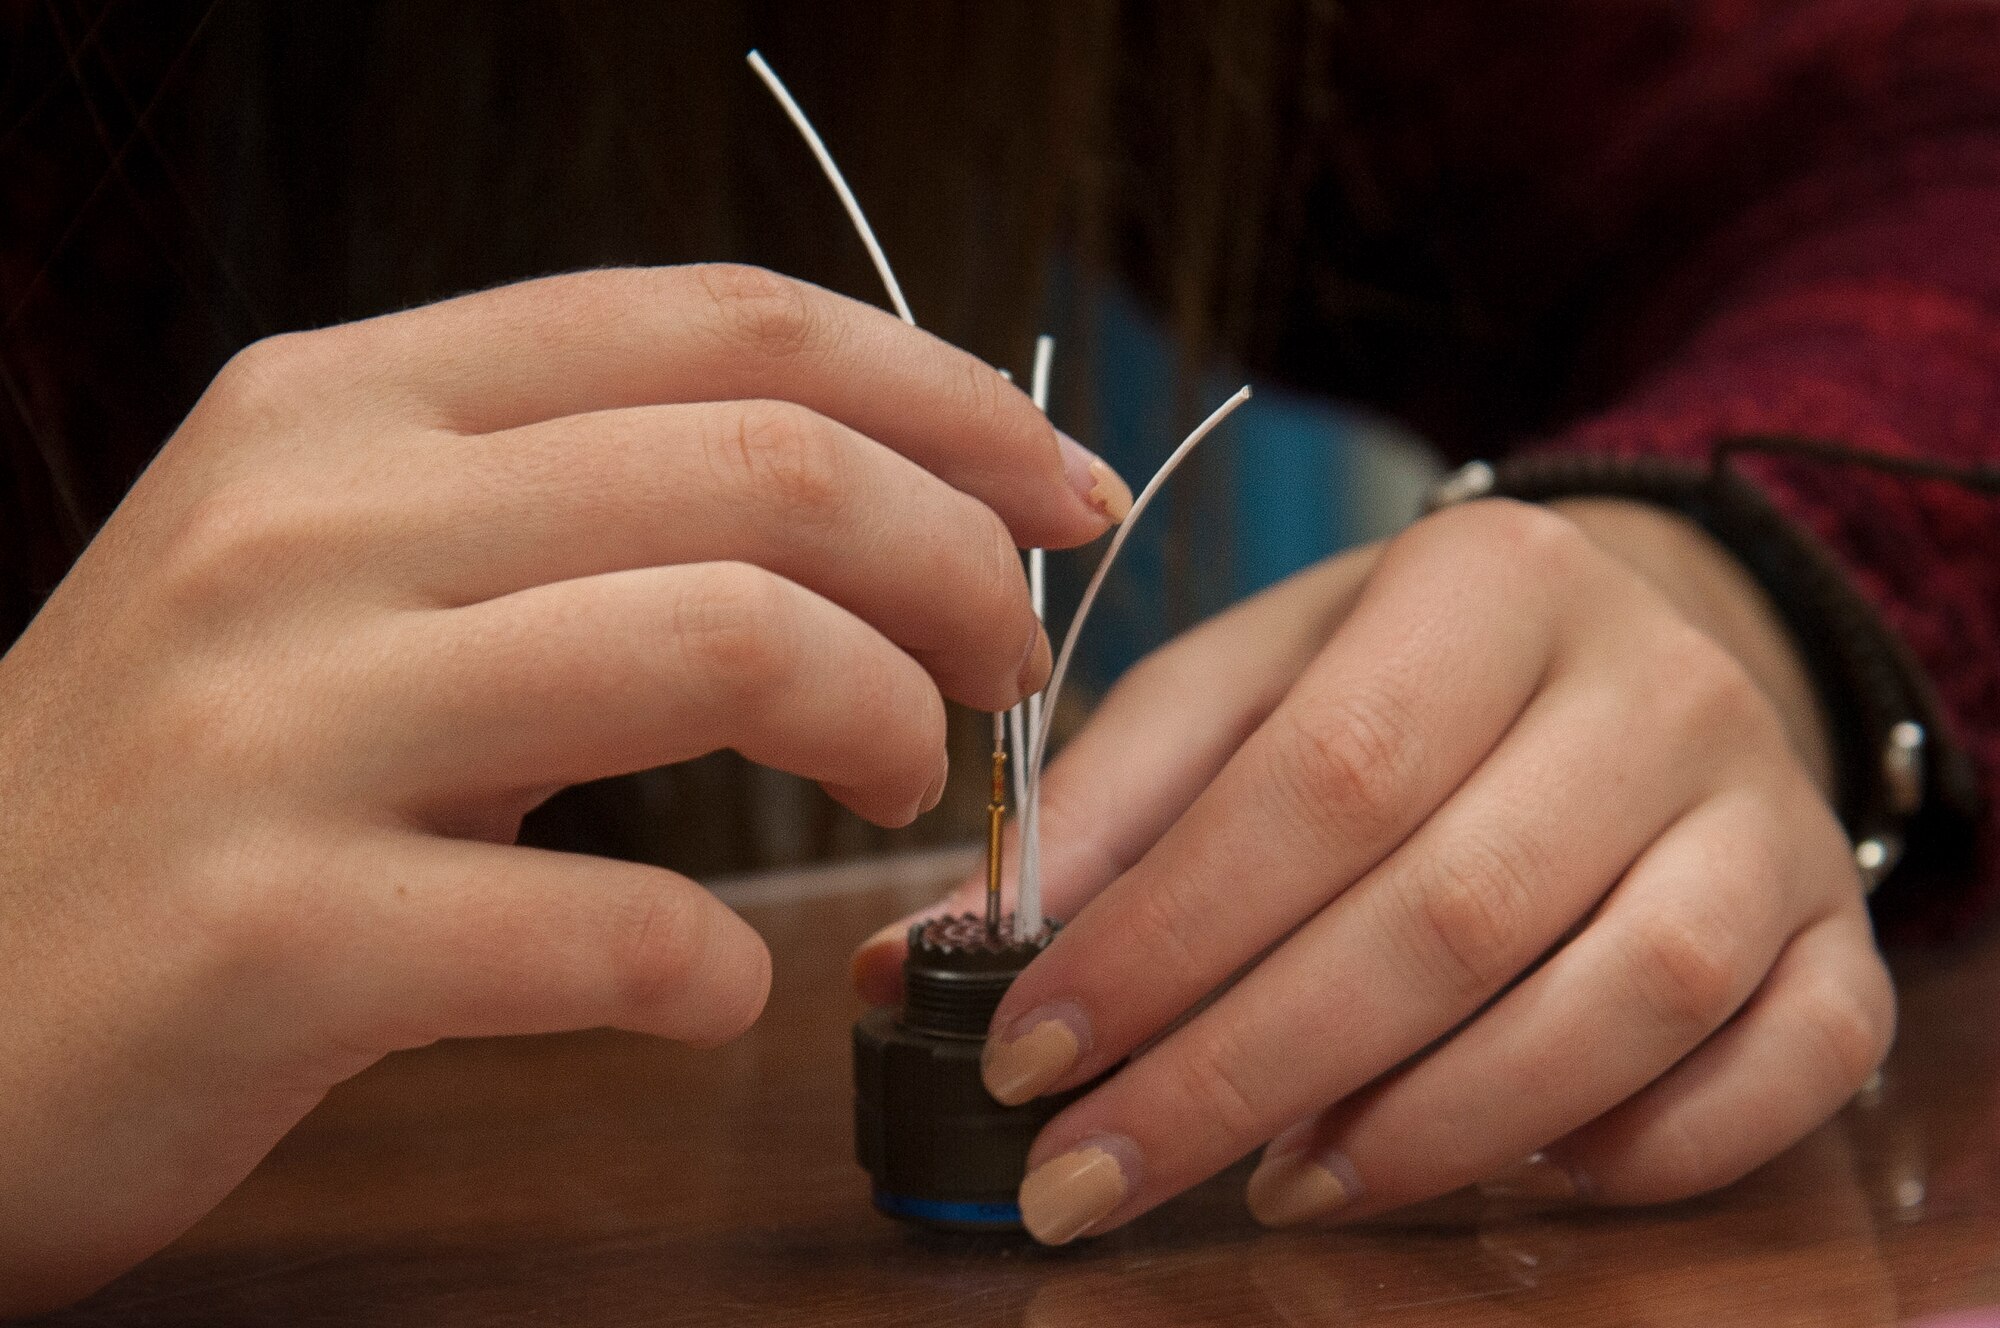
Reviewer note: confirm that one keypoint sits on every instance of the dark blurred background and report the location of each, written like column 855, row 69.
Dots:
column 1185, row 194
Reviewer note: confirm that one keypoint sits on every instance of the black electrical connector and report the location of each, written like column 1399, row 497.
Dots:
column 941, row 1151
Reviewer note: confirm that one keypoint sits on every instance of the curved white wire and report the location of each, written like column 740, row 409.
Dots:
column 1029, row 867
column 1040, row 709
column 839, row 183
column 1024, row 716
column 1028, row 901
column 1038, row 392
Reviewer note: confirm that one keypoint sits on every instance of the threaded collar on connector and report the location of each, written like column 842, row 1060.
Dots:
column 956, row 972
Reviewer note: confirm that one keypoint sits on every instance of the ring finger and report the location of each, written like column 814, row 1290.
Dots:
column 608, row 674
column 1679, row 945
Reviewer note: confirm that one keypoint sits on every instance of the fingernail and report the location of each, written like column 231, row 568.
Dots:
column 888, row 935
column 935, row 793
column 876, row 969
column 1026, row 1065
column 1289, row 1188
column 1035, row 665
column 1536, row 1176
column 1094, row 480
column 1071, row 1193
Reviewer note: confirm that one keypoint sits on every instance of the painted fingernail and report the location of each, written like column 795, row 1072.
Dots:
column 1536, row 1176
column 1071, row 1193
column 1035, row 665
column 1045, row 1045
column 882, row 939
column 1095, row 481
column 1289, row 1188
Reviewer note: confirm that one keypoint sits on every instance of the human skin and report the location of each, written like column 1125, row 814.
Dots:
column 1506, row 845
column 267, row 747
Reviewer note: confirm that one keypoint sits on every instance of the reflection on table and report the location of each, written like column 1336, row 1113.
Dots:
column 601, row 1178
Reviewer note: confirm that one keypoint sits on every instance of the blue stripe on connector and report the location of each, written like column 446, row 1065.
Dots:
column 944, row 1210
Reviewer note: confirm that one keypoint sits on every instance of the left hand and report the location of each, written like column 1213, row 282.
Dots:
column 1509, row 842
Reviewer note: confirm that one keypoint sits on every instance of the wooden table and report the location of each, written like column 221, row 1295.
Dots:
column 601, row 1178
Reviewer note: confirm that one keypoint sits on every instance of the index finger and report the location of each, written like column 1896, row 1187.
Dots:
column 614, row 338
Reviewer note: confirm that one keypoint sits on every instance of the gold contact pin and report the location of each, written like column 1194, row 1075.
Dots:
column 996, row 811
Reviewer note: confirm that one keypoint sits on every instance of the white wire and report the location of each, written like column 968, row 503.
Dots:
column 1033, row 725
column 1023, row 717
column 839, row 183
column 1038, row 391
column 1028, row 900
column 1029, row 854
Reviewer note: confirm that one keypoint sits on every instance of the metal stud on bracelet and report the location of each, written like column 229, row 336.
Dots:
column 1903, row 792
column 1903, row 767
column 1474, row 479
column 1875, row 857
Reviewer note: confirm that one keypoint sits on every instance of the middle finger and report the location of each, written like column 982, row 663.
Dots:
column 761, row 482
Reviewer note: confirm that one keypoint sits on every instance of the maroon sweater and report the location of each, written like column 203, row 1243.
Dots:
column 1646, row 223
column 1722, row 217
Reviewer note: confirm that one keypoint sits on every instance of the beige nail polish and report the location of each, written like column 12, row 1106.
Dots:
column 1285, row 1191
column 1025, row 1067
column 1535, row 1176
column 1067, row 1195
column 1109, row 493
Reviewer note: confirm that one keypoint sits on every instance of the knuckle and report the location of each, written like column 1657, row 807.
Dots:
column 1346, row 760
column 1518, row 534
column 756, row 309
column 261, row 381
column 253, row 893
column 1708, row 690
column 1001, row 573
column 1470, row 915
column 1851, row 1029
column 1533, row 536
column 1685, row 975
column 789, row 458
column 591, row 297
column 230, row 545
column 731, row 624
column 1215, row 1085
column 1755, row 859
column 1680, row 1163
column 906, row 722
column 1168, row 926
column 1001, row 585
column 985, row 395
column 657, row 962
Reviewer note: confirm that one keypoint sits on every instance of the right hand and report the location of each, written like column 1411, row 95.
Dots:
column 390, row 585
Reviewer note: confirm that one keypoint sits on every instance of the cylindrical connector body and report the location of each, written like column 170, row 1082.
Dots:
column 941, row 1151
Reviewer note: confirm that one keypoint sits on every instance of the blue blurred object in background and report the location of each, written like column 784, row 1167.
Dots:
column 1287, row 481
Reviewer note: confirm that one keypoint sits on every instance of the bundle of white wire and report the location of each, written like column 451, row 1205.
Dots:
column 1027, row 724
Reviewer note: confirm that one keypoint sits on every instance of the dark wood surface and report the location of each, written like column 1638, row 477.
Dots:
column 601, row 1178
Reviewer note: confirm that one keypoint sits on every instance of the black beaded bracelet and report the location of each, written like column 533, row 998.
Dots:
column 1905, row 788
